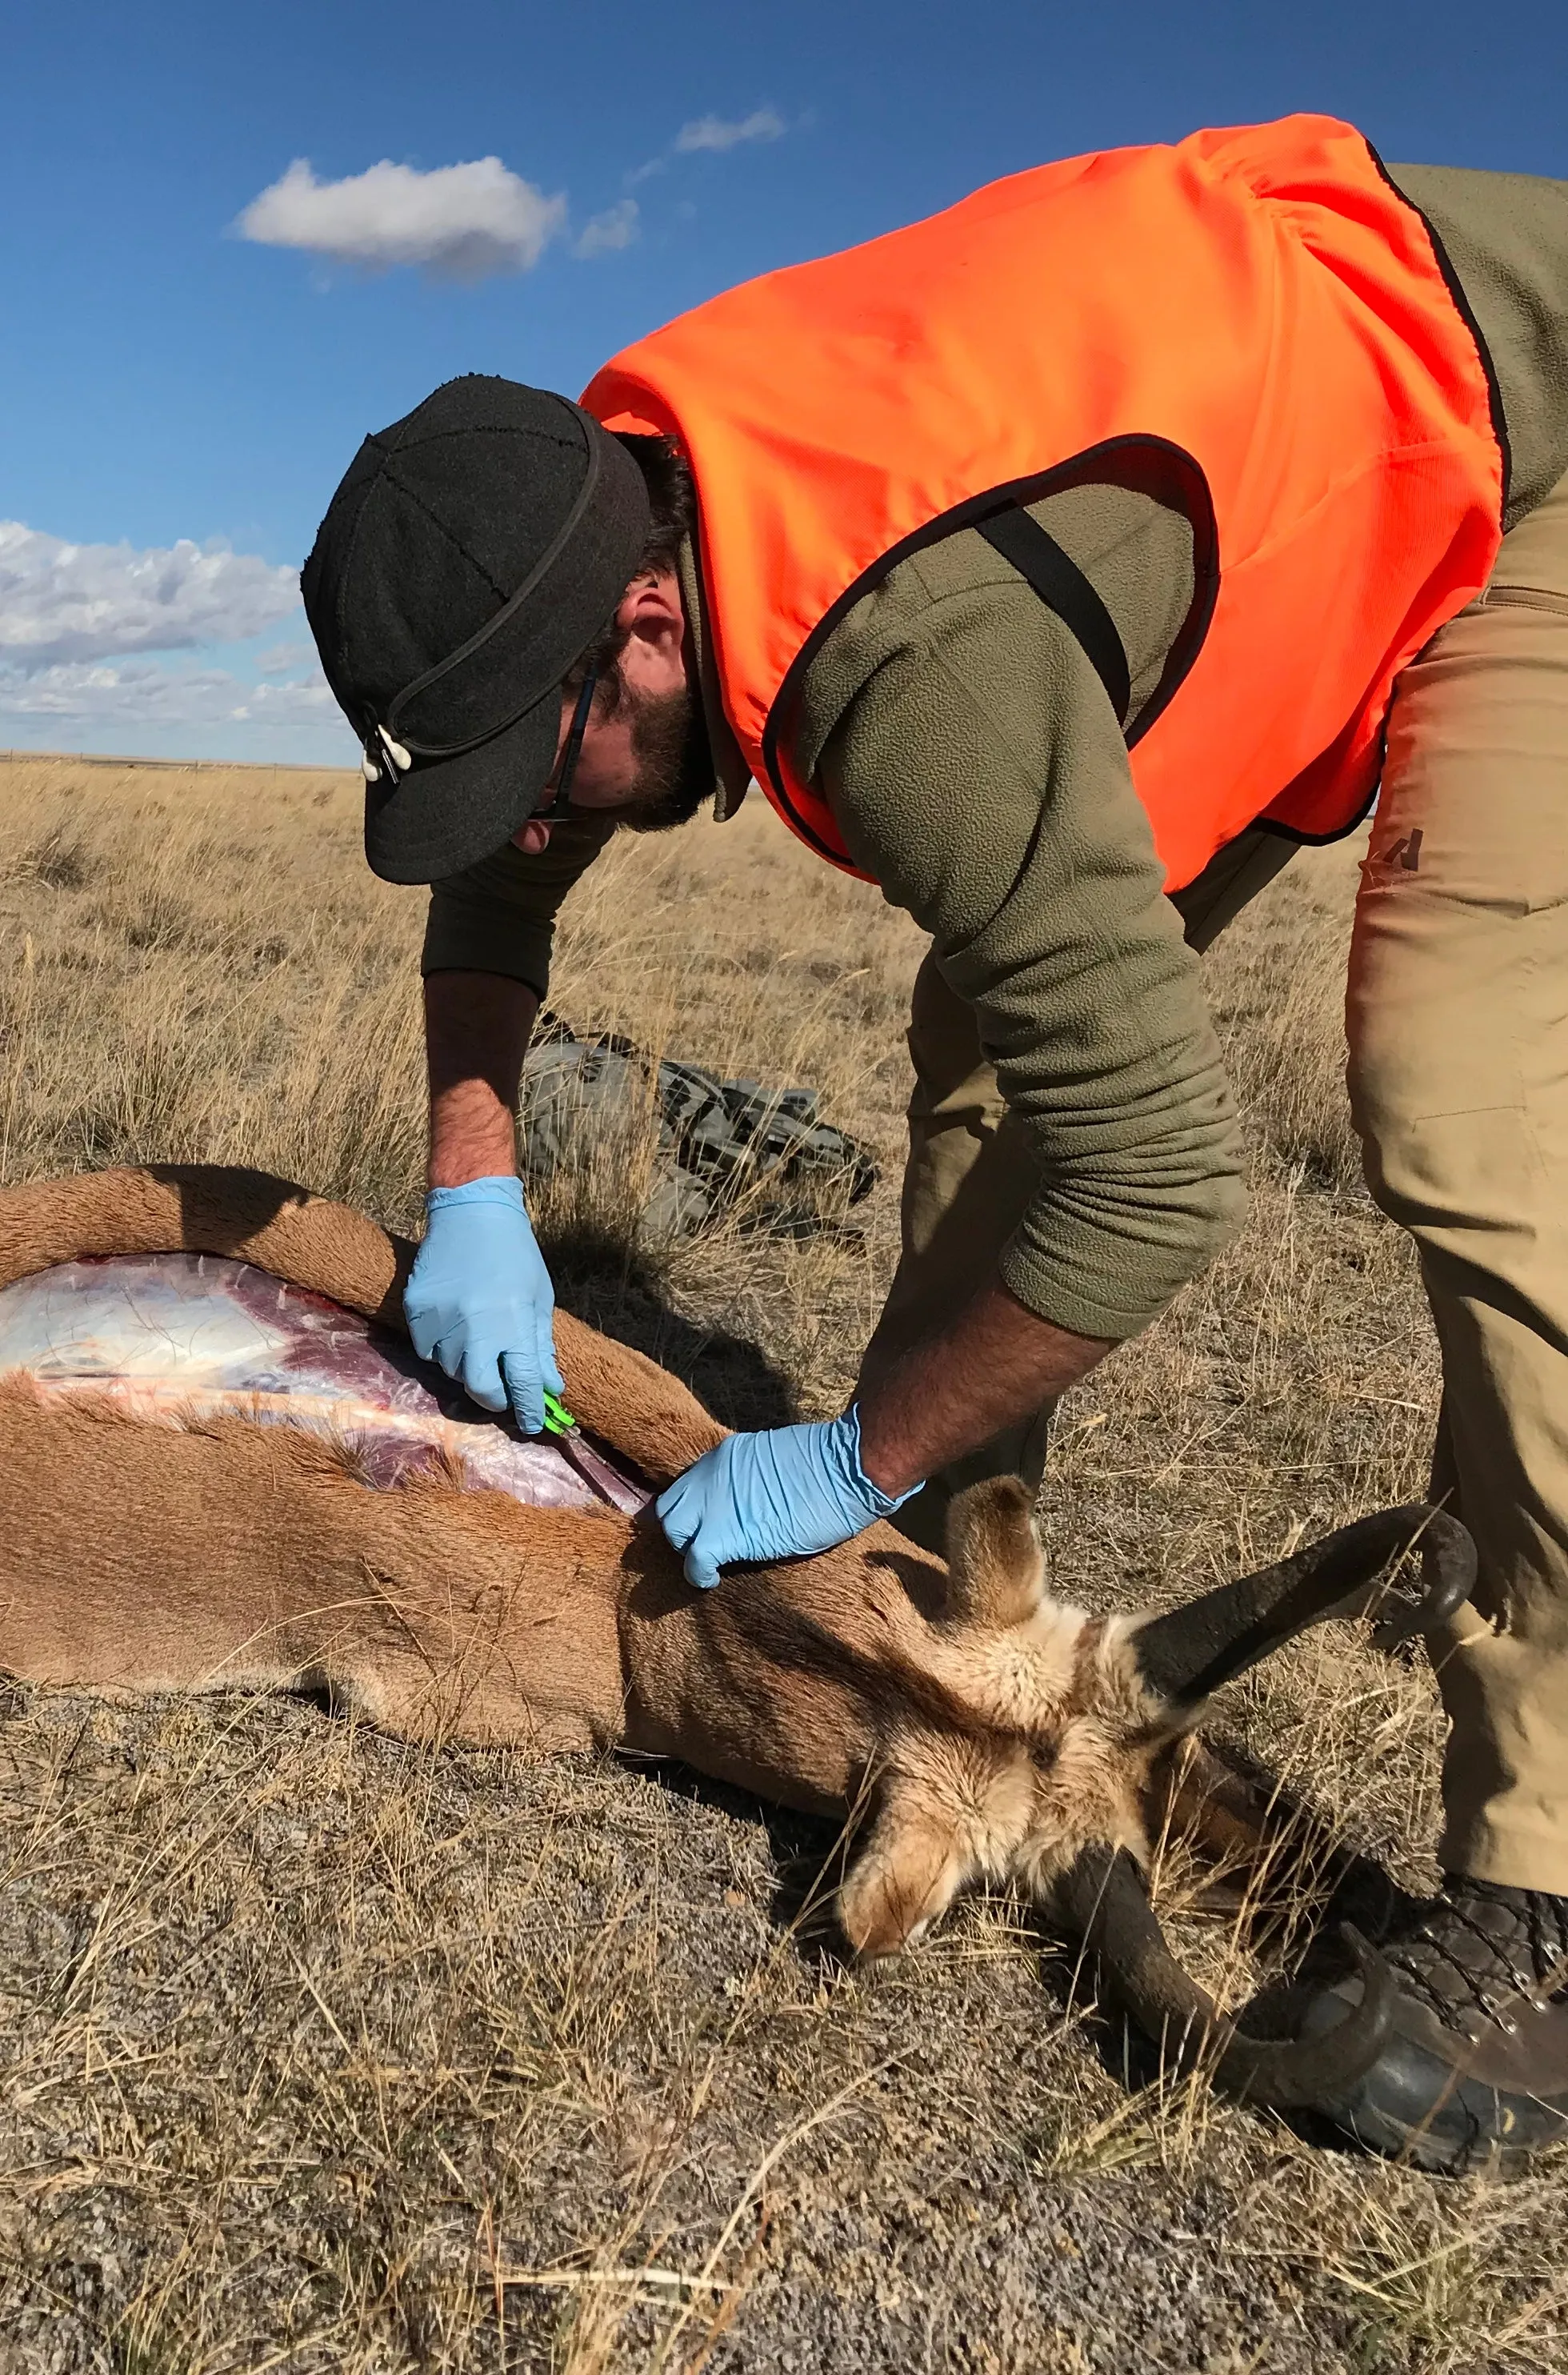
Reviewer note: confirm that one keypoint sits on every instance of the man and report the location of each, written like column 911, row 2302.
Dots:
column 1056, row 564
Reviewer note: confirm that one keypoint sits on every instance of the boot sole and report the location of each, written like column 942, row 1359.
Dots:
column 1411, row 2108
column 1476, row 2153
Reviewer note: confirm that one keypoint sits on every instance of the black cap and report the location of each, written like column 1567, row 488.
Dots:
column 471, row 555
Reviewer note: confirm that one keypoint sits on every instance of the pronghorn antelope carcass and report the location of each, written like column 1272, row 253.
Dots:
column 160, row 1529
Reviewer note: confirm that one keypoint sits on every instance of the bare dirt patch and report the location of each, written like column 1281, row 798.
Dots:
column 323, row 2053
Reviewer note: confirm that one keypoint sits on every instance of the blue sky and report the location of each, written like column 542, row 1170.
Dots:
column 177, row 401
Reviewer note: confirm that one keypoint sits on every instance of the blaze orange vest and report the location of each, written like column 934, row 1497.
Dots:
column 1256, row 314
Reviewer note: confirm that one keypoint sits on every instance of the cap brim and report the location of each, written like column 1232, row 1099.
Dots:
column 446, row 815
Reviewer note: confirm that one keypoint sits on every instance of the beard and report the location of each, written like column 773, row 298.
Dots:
column 675, row 764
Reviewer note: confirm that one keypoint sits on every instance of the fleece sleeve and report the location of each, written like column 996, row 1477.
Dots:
column 499, row 916
column 979, row 774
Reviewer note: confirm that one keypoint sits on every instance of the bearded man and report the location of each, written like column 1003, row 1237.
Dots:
column 1058, row 564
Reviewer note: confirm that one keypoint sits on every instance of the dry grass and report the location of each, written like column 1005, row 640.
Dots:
column 325, row 2054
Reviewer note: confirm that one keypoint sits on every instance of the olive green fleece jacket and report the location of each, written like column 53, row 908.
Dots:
column 976, row 772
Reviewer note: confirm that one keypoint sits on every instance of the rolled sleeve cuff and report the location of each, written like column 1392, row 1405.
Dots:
column 1108, row 1268
column 464, row 937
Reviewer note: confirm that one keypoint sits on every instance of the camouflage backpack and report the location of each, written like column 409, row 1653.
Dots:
column 722, row 1146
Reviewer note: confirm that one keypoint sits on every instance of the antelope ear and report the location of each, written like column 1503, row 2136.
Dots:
column 912, row 1867
column 997, row 1575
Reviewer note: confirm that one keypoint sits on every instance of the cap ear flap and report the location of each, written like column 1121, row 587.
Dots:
column 911, row 1868
column 996, row 1569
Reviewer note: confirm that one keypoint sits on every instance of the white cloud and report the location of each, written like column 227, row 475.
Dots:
column 714, row 132
column 278, row 658
column 90, row 696
column 616, row 227
column 460, row 222
column 75, row 602
column 78, row 624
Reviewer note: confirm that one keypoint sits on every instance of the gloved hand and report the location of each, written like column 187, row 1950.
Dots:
column 479, row 1300
column 777, row 1494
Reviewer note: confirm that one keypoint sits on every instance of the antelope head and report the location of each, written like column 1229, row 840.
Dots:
column 1039, row 1752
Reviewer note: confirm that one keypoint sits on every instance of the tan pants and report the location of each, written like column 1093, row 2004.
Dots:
column 1458, row 1029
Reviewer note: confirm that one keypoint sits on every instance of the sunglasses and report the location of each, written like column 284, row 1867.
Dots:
column 566, row 767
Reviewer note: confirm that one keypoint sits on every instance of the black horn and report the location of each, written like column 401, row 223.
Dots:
column 1104, row 1900
column 1188, row 1654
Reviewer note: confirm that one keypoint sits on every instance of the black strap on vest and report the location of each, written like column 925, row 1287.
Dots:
column 1063, row 587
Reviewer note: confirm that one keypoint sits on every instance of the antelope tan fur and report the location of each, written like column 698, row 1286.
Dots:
column 978, row 1728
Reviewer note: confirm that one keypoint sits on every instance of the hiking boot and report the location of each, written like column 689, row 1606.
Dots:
column 1474, row 2076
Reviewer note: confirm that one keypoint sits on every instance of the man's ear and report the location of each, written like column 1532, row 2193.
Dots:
column 913, row 1865
column 996, row 1574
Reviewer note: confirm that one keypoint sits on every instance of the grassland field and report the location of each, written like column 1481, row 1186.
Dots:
column 323, row 2053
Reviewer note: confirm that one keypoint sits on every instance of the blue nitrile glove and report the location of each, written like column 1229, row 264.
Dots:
column 479, row 1299
column 777, row 1494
